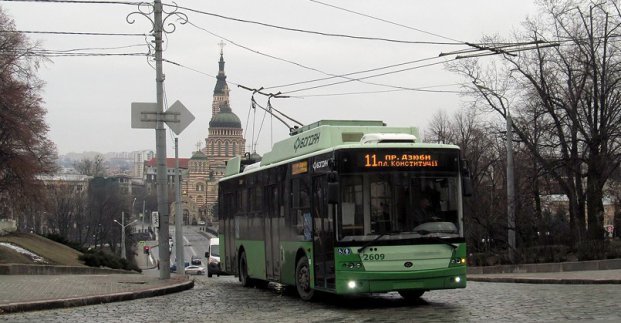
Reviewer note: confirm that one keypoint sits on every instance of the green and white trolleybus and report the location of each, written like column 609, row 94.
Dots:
column 346, row 207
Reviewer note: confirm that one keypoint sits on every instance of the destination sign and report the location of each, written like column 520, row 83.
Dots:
column 400, row 160
column 299, row 168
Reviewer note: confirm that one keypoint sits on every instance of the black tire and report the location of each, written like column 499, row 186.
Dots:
column 411, row 295
column 243, row 271
column 261, row 284
column 302, row 280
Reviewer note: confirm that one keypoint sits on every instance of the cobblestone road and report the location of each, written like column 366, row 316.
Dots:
column 222, row 299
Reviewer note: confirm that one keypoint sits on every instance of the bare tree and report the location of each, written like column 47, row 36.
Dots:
column 105, row 205
column 571, row 93
column 91, row 167
column 25, row 150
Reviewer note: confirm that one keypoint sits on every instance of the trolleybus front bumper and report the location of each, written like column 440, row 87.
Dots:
column 354, row 282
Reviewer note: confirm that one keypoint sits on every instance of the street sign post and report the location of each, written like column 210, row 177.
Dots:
column 155, row 219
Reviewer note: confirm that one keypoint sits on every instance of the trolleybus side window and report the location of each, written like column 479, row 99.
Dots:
column 301, row 219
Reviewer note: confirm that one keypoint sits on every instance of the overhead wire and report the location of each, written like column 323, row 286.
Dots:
column 312, row 31
column 331, row 76
column 373, row 92
column 78, row 1
column 386, row 21
column 87, row 49
column 362, row 78
column 70, row 32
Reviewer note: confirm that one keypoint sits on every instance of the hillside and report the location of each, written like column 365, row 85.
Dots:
column 51, row 252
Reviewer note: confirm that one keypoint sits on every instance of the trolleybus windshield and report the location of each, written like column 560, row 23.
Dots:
column 407, row 194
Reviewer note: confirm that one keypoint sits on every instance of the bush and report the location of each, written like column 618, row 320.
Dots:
column 543, row 254
column 592, row 249
column 99, row 258
column 60, row 239
column 614, row 249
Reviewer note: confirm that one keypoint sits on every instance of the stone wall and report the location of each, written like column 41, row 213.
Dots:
column 7, row 226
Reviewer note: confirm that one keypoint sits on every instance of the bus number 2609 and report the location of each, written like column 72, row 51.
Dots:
column 373, row 256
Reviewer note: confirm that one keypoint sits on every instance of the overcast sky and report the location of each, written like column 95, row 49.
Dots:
column 88, row 98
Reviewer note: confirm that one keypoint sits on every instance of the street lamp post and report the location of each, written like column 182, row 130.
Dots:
column 143, row 215
column 123, row 226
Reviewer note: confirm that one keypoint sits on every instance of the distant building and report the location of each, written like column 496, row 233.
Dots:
column 140, row 157
column 225, row 138
column 201, row 172
column 150, row 173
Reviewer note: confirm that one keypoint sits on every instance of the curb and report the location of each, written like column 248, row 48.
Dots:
column 28, row 269
column 92, row 300
column 568, row 281
column 605, row 264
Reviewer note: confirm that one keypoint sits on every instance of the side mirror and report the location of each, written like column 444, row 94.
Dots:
column 207, row 254
column 333, row 192
column 466, row 181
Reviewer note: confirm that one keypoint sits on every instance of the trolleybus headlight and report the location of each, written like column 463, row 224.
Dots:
column 351, row 284
column 350, row 265
column 457, row 279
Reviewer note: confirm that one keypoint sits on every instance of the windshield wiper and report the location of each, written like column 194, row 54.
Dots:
column 364, row 246
column 425, row 232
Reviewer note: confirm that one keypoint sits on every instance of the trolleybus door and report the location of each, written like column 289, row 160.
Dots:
column 272, row 255
column 323, row 240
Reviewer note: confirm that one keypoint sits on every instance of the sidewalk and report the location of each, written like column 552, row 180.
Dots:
column 580, row 272
column 19, row 293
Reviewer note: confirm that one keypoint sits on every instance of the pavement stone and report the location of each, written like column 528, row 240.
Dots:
column 20, row 293
column 36, row 292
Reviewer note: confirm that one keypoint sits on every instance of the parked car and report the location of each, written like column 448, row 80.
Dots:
column 194, row 270
column 173, row 266
column 196, row 260
column 213, row 258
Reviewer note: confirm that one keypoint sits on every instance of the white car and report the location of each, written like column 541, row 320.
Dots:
column 194, row 270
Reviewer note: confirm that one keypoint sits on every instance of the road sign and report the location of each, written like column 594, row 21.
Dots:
column 181, row 117
column 144, row 115
column 177, row 117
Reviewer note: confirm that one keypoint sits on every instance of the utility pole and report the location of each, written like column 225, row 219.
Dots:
column 152, row 116
column 178, row 214
column 510, row 190
column 143, row 215
column 160, row 144
column 123, row 253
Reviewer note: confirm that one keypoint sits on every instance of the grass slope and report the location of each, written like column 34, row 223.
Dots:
column 54, row 252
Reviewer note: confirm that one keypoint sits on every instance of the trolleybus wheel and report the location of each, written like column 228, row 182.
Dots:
column 243, row 271
column 302, row 280
column 411, row 295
